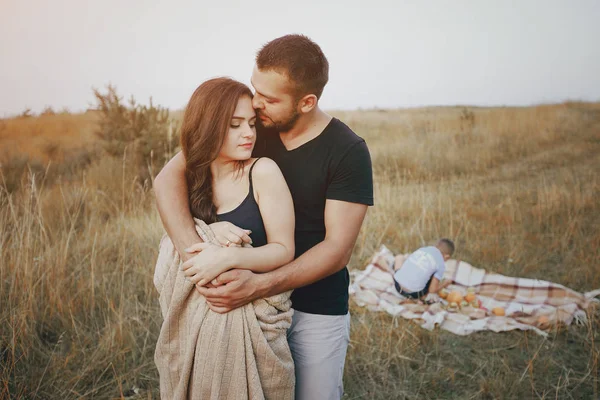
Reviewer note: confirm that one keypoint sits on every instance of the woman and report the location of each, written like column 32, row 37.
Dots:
column 244, row 353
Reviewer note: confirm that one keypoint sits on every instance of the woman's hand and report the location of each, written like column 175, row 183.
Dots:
column 209, row 262
column 230, row 235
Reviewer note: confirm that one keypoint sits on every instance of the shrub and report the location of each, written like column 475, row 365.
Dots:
column 47, row 111
column 26, row 114
column 145, row 134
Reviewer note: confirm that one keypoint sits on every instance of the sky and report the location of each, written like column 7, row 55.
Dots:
column 385, row 54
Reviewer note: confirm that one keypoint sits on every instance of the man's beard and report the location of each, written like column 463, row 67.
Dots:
column 280, row 126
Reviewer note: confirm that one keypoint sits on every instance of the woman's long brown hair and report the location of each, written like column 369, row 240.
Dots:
column 205, row 125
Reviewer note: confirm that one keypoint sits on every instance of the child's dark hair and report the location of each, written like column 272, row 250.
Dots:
column 447, row 245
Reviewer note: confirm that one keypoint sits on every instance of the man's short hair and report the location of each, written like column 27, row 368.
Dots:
column 300, row 59
column 446, row 245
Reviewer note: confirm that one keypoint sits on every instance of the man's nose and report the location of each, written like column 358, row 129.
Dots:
column 257, row 103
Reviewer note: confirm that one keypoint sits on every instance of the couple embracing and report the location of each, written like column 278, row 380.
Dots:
column 262, row 209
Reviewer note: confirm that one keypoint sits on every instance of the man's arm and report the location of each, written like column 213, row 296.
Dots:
column 170, row 188
column 342, row 222
column 436, row 285
column 348, row 196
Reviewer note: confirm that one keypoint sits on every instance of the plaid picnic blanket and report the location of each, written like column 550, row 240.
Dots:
column 529, row 304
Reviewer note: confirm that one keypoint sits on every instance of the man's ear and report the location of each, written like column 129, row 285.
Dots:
column 307, row 103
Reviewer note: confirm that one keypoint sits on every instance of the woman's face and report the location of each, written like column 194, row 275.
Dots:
column 241, row 137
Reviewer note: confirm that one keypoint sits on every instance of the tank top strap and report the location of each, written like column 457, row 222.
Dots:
column 250, row 175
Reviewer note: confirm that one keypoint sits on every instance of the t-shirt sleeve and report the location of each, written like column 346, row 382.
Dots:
column 441, row 267
column 439, row 273
column 352, row 180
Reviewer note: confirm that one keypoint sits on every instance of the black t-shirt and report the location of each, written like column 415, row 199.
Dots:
column 335, row 165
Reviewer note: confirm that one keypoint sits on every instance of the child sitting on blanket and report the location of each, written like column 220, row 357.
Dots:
column 422, row 272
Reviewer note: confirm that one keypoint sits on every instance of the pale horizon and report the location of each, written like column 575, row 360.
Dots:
column 389, row 55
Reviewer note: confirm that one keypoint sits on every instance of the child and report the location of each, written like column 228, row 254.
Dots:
column 422, row 272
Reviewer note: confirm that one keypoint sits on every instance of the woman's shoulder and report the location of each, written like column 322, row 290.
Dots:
column 264, row 167
column 265, row 171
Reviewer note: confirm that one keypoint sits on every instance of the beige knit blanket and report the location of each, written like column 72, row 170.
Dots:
column 201, row 354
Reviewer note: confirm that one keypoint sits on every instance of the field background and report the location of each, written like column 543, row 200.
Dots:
column 517, row 188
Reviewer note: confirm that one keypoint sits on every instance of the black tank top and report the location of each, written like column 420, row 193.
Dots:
column 247, row 216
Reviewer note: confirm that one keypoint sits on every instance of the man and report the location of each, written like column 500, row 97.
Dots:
column 422, row 272
column 328, row 170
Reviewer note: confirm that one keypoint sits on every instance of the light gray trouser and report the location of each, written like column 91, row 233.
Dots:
column 319, row 344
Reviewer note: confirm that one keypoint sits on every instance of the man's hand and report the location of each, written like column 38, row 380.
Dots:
column 237, row 288
column 445, row 283
column 228, row 234
column 432, row 298
column 209, row 262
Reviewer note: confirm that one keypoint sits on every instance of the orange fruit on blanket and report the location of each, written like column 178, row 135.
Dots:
column 443, row 293
column 470, row 297
column 499, row 311
column 455, row 297
column 543, row 321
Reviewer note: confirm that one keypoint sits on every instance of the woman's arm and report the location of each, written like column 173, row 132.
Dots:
column 172, row 201
column 277, row 210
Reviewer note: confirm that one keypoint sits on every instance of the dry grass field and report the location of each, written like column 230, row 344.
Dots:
column 47, row 137
column 517, row 188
